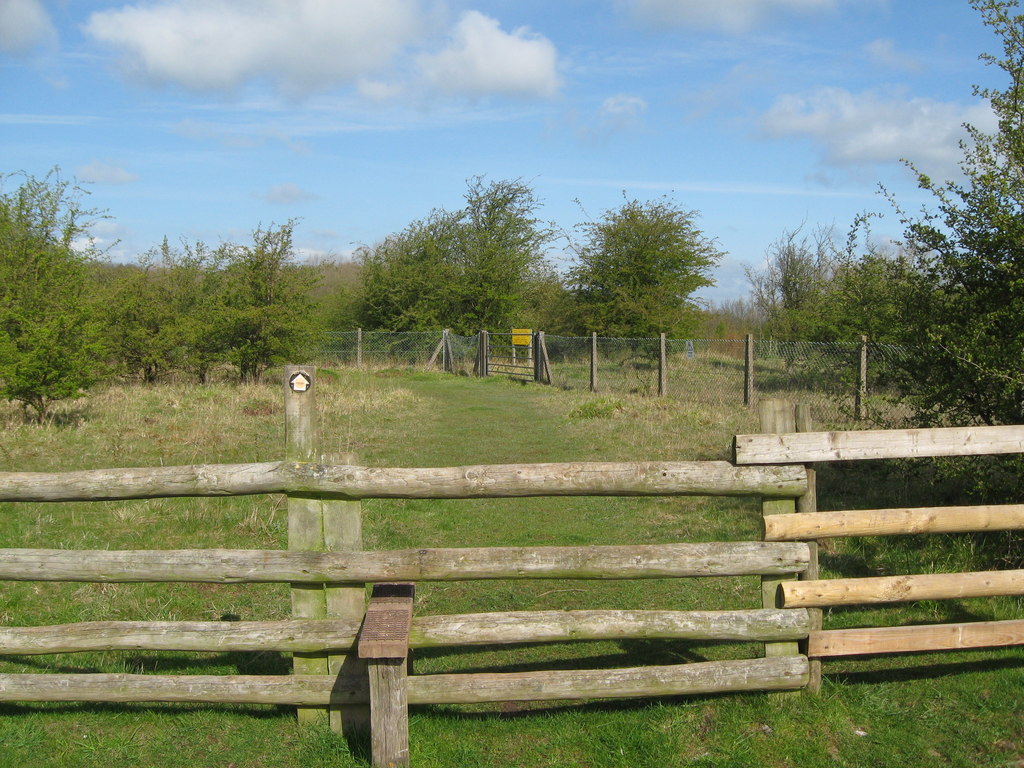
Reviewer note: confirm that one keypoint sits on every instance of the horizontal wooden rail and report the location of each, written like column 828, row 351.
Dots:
column 884, row 522
column 925, row 637
column 899, row 589
column 548, row 626
column 650, row 478
column 805, row 447
column 252, row 566
column 783, row 673
column 315, row 635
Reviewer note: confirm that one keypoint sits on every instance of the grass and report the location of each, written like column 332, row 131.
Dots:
column 921, row 710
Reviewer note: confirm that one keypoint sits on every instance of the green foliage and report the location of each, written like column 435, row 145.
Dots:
column 638, row 268
column 790, row 290
column 965, row 302
column 195, row 308
column 48, row 349
column 167, row 314
column 465, row 270
column 268, row 314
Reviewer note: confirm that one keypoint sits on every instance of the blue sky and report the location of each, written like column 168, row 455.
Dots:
column 202, row 119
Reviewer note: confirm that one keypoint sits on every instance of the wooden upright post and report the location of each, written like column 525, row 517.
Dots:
column 776, row 416
column 748, row 371
column 359, row 347
column 593, row 361
column 384, row 644
column 809, row 503
column 319, row 525
column 482, row 351
column 447, row 364
column 662, row 366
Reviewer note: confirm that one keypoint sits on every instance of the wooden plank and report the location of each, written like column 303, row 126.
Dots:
column 801, row 448
column 899, row 589
column 642, row 478
column 887, row 522
column 426, row 631
column 385, row 631
column 929, row 637
column 255, row 566
column 389, row 712
column 786, row 673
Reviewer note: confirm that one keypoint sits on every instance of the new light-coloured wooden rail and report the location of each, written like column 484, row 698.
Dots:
column 816, row 593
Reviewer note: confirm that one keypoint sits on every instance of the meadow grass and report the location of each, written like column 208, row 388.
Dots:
column 925, row 709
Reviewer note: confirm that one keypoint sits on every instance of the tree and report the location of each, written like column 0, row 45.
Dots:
column 268, row 314
column 789, row 290
column 167, row 313
column 466, row 270
column 48, row 348
column 637, row 270
column 964, row 305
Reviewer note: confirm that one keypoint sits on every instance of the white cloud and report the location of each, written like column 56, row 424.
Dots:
column 24, row 24
column 622, row 106
column 104, row 173
column 869, row 128
column 883, row 53
column 219, row 45
column 481, row 59
column 727, row 15
column 287, row 194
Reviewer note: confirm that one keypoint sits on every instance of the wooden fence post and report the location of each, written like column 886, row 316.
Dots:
column 776, row 416
column 315, row 524
column 545, row 361
column 862, row 380
column 593, row 361
column 748, row 371
column 359, row 347
column 447, row 361
column 662, row 366
column 482, row 352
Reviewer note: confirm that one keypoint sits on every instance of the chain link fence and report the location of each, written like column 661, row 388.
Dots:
column 842, row 382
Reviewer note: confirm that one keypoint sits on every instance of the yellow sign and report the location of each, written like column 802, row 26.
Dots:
column 522, row 337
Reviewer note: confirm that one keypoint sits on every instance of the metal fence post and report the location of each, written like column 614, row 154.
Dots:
column 359, row 347
column 593, row 361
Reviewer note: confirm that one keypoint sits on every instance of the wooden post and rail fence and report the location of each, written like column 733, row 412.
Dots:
column 350, row 657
